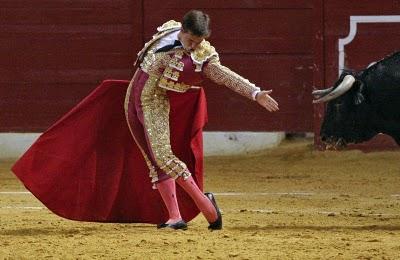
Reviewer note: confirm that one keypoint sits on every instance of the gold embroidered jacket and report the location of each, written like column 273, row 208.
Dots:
column 179, row 70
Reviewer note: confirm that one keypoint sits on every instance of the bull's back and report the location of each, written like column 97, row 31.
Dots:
column 383, row 86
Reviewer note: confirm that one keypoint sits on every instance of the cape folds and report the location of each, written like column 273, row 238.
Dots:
column 87, row 166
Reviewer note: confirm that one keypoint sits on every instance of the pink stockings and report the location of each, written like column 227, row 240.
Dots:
column 167, row 190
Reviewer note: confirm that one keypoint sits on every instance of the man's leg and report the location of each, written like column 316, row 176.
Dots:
column 202, row 202
column 152, row 107
column 167, row 191
column 164, row 184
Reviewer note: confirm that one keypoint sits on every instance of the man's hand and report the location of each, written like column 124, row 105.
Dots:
column 264, row 99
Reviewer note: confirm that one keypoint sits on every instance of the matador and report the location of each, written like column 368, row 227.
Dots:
column 90, row 165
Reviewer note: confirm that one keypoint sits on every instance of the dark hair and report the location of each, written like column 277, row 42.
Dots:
column 197, row 23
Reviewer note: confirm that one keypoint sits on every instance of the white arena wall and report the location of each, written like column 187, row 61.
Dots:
column 13, row 145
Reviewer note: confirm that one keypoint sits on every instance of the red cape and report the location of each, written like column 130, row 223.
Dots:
column 87, row 166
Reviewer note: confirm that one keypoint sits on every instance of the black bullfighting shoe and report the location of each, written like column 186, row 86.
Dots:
column 216, row 225
column 181, row 224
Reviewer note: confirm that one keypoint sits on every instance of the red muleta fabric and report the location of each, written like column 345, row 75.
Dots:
column 87, row 166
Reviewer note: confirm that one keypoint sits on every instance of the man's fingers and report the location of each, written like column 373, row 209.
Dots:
column 271, row 107
column 272, row 100
column 267, row 101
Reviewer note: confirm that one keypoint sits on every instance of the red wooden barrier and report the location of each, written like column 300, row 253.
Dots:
column 54, row 52
column 73, row 45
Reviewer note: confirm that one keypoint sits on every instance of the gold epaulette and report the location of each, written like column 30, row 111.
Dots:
column 171, row 24
column 203, row 52
column 166, row 28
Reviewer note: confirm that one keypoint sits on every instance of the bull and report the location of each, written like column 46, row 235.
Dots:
column 362, row 104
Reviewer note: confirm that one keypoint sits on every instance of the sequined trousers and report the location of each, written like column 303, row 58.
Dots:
column 147, row 112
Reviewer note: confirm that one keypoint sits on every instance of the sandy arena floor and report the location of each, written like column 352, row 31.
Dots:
column 286, row 203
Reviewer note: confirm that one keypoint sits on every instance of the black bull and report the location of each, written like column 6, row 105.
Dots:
column 362, row 104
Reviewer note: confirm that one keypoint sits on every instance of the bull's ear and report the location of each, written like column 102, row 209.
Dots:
column 359, row 97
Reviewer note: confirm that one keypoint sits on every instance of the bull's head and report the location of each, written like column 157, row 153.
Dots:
column 346, row 116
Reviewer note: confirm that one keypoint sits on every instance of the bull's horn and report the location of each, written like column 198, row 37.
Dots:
column 346, row 84
column 321, row 92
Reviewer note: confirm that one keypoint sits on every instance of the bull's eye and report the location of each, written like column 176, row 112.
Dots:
column 338, row 106
column 338, row 113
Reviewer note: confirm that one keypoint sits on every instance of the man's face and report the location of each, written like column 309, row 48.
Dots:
column 189, row 41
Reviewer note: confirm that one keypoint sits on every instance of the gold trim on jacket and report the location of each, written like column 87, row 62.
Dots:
column 201, row 54
column 222, row 75
column 167, row 28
